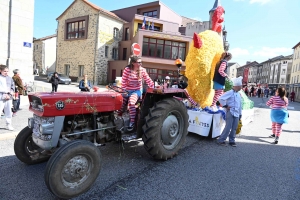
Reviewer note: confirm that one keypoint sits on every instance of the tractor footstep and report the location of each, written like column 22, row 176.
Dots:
column 129, row 137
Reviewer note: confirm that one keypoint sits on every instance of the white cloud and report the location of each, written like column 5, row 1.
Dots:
column 269, row 52
column 239, row 52
column 260, row 1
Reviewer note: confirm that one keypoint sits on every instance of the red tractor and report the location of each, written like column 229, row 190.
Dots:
column 68, row 128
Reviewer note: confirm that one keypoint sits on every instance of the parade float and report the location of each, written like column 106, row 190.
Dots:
column 203, row 56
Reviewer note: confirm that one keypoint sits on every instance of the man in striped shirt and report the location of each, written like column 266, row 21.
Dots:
column 132, row 79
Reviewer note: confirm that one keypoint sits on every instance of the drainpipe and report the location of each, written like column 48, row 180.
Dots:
column 96, row 45
column 9, row 34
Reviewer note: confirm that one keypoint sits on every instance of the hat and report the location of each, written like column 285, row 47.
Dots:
column 167, row 77
column 237, row 81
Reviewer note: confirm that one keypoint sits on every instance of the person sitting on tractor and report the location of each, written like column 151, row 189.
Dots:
column 132, row 77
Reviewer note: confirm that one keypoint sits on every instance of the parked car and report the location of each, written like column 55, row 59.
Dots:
column 64, row 79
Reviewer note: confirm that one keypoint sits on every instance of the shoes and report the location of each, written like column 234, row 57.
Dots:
column 272, row 136
column 130, row 127
column 221, row 143
column 233, row 144
column 10, row 128
column 14, row 114
column 275, row 142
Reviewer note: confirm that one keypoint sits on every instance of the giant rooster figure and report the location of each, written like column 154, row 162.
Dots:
column 205, row 52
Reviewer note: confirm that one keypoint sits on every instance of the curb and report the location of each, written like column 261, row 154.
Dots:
column 7, row 136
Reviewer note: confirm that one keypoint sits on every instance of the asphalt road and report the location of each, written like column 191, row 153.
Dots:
column 255, row 169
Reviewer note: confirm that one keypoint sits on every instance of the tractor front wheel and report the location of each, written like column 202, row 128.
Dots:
column 73, row 169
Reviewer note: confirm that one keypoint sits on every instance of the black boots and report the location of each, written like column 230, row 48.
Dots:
column 272, row 136
column 276, row 140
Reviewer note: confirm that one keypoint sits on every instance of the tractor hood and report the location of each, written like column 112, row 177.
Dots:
column 47, row 104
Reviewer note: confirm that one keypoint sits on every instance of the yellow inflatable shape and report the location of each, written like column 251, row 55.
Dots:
column 200, row 67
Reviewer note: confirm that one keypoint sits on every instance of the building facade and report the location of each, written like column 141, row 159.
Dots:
column 96, row 42
column 161, row 41
column 16, row 36
column 232, row 70
column 295, row 72
column 87, row 38
column 244, row 71
column 44, row 53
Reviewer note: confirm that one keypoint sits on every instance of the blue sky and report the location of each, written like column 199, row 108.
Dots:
column 257, row 29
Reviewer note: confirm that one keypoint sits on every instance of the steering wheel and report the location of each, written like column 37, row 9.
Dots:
column 117, row 89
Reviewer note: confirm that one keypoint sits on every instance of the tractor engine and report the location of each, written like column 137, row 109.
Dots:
column 99, row 128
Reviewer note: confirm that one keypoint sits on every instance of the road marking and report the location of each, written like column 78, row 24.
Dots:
column 7, row 136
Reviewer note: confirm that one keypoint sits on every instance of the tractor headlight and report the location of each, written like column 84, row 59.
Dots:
column 41, row 129
column 30, row 122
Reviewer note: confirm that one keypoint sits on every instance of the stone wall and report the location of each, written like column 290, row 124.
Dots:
column 106, row 38
column 38, row 55
column 81, row 51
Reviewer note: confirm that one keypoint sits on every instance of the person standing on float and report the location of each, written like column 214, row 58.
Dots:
column 220, row 76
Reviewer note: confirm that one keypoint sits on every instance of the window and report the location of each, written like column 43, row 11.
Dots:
column 81, row 70
column 106, row 51
column 115, row 54
column 283, row 71
column 298, row 79
column 124, row 53
column 292, row 80
column 160, row 74
column 163, row 48
column 282, row 80
column 151, row 13
column 126, row 33
column 116, row 33
column 67, row 70
column 36, row 46
column 76, row 28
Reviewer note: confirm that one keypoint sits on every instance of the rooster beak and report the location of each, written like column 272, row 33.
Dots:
column 197, row 41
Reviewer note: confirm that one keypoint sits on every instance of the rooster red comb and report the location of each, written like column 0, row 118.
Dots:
column 197, row 41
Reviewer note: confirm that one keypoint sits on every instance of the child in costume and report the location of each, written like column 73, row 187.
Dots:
column 220, row 76
column 279, row 113
column 232, row 101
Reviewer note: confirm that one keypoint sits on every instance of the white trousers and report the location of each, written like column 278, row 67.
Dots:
column 7, row 105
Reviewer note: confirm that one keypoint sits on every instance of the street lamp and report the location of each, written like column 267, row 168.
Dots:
column 225, row 42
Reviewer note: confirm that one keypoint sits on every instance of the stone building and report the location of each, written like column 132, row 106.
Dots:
column 44, row 53
column 232, row 70
column 295, row 72
column 87, row 38
column 93, row 41
column 244, row 71
column 16, row 35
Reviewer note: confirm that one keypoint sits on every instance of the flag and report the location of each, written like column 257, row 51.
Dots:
column 152, row 26
column 148, row 24
column 144, row 23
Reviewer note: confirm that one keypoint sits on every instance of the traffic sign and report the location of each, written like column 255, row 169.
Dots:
column 136, row 49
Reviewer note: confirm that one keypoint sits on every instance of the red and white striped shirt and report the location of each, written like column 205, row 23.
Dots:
column 276, row 102
column 222, row 69
column 130, row 80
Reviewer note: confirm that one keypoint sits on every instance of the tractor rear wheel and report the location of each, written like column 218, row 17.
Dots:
column 73, row 169
column 165, row 129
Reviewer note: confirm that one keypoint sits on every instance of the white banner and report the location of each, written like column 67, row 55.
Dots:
column 218, row 125
column 199, row 122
